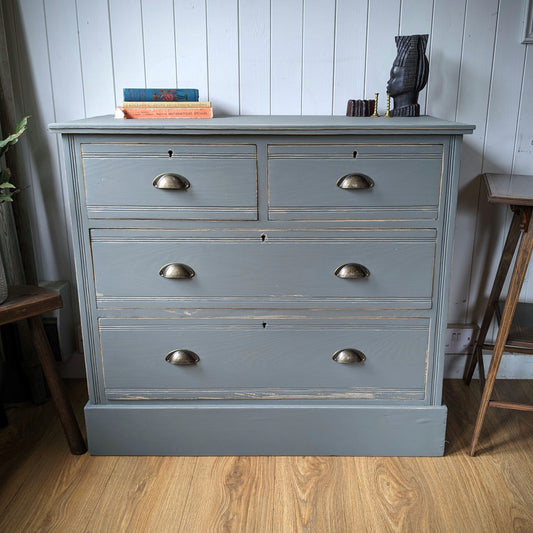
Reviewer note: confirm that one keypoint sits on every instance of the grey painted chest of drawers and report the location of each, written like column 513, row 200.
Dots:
column 263, row 285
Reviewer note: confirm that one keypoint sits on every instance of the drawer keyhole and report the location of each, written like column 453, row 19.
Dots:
column 263, row 237
column 354, row 154
column 264, row 325
column 170, row 153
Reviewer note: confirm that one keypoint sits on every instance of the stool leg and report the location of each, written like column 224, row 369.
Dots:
column 56, row 386
column 522, row 260
column 503, row 268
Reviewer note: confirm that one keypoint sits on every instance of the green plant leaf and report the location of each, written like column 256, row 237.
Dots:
column 14, row 137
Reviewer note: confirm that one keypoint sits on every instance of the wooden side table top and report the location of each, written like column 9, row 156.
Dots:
column 509, row 189
column 25, row 301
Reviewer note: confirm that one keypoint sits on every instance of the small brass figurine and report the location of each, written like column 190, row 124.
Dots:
column 375, row 113
column 387, row 114
column 409, row 75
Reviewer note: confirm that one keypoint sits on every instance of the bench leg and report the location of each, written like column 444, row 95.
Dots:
column 522, row 260
column 57, row 388
column 503, row 268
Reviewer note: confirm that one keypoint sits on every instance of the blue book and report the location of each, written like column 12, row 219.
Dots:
column 160, row 95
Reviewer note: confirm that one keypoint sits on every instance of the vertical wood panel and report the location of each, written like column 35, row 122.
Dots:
column 444, row 58
column 416, row 19
column 502, row 121
column 223, row 54
column 96, row 60
column 523, row 163
column 350, row 53
column 286, row 59
column 509, row 60
column 191, row 45
column 65, row 62
column 127, row 45
column 40, row 152
column 441, row 95
column 67, row 92
column 254, row 53
column 473, row 96
column 159, row 43
column 383, row 23
column 318, row 47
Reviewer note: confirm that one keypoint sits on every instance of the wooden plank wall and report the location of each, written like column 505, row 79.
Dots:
column 278, row 57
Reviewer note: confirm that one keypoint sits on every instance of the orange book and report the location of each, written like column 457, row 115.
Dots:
column 166, row 112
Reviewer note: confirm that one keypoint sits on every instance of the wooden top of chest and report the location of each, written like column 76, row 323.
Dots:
column 281, row 124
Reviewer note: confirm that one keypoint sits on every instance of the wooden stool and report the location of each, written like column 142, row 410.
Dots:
column 28, row 302
column 516, row 191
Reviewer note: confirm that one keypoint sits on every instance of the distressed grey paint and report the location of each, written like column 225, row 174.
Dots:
column 280, row 429
column 265, row 312
column 265, row 358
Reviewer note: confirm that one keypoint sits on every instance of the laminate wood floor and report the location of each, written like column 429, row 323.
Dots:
column 44, row 488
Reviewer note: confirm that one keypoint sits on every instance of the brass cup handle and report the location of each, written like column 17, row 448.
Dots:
column 355, row 181
column 182, row 357
column 170, row 181
column 176, row 271
column 352, row 271
column 349, row 356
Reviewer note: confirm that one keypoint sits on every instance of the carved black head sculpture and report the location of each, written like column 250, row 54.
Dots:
column 409, row 75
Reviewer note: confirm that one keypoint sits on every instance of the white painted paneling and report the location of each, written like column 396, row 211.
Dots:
column 40, row 152
column 64, row 58
column 223, row 56
column 191, row 45
column 447, row 40
column 416, row 18
column 286, row 50
column 67, row 91
column 350, row 53
column 127, row 45
column 444, row 63
column 96, row 59
column 502, row 120
column 524, row 153
column 383, row 23
column 254, row 53
column 471, row 93
column 318, row 47
column 281, row 57
column 159, row 43
column 509, row 60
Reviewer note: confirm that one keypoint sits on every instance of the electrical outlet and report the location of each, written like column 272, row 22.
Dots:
column 460, row 338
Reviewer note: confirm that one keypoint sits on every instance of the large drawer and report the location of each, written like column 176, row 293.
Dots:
column 399, row 181
column 264, row 359
column 332, row 269
column 120, row 181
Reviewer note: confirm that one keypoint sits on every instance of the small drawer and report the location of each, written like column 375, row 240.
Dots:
column 333, row 269
column 170, row 181
column 170, row 359
column 359, row 181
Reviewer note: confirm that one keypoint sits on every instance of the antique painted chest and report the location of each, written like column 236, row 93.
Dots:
column 263, row 285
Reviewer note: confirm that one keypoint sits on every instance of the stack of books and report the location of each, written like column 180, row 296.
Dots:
column 163, row 103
